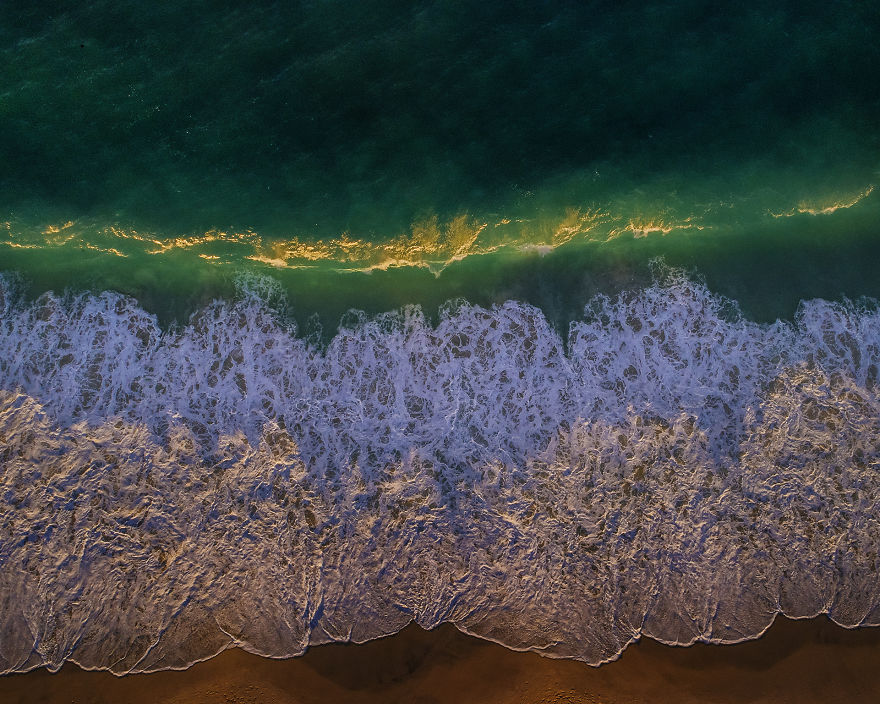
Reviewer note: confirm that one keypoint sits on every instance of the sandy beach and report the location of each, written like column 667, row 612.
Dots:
column 795, row 661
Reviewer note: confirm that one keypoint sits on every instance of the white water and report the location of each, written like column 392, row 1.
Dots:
column 674, row 471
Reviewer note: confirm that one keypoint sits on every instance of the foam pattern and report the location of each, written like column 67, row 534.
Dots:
column 671, row 470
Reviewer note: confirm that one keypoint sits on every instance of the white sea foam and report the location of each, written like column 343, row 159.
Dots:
column 673, row 470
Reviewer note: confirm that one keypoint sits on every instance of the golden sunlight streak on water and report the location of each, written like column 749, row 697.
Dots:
column 642, row 227
column 429, row 243
column 826, row 206
column 54, row 229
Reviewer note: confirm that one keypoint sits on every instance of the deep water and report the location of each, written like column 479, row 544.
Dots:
column 149, row 147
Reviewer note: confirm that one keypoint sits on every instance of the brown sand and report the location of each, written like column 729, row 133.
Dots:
column 796, row 661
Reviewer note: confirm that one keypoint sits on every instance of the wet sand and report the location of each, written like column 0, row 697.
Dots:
column 795, row 661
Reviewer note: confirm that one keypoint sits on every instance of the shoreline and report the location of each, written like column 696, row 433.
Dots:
column 797, row 661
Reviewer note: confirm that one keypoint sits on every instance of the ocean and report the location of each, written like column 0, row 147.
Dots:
column 557, row 321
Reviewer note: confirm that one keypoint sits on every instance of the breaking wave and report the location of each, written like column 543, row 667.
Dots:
column 670, row 469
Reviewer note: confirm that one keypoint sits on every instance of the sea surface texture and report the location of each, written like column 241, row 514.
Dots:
column 554, row 320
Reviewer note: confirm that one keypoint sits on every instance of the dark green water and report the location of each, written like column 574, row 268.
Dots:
column 741, row 142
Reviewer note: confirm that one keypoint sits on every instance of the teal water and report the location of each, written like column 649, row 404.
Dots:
column 768, row 269
column 554, row 320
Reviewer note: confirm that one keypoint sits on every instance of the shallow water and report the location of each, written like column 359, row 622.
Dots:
column 678, row 472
